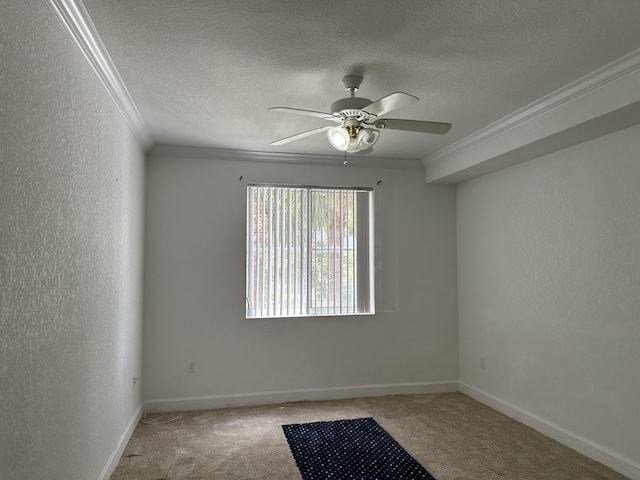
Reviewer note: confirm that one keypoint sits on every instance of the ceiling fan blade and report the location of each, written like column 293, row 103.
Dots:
column 298, row 136
column 412, row 125
column 389, row 103
column 311, row 113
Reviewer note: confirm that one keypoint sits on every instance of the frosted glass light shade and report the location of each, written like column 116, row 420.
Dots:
column 339, row 138
column 367, row 137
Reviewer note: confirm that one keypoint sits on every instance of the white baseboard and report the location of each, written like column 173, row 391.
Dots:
column 592, row 450
column 269, row 398
column 122, row 443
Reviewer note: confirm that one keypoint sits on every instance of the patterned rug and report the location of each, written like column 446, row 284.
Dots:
column 358, row 449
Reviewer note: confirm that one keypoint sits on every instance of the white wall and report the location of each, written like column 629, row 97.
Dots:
column 71, row 193
column 195, row 289
column 549, row 290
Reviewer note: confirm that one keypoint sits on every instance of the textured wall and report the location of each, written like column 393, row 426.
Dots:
column 549, row 288
column 195, row 284
column 71, row 188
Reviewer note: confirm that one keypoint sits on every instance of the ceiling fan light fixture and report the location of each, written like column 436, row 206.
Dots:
column 339, row 138
column 344, row 141
column 365, row 139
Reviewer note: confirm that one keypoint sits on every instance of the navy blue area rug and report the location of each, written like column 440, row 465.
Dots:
column 357, row 449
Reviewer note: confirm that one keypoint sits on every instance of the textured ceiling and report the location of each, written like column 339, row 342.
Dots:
column 203, row 73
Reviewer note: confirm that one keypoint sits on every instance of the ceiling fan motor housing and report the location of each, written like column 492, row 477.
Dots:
column 350, row 106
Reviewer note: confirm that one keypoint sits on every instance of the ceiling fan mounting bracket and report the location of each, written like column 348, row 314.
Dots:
column 352, row 82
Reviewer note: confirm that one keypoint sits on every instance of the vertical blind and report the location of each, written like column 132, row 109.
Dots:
column 309, row 251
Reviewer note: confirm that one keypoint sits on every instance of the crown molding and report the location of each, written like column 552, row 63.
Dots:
column 75, row 20
column 603, row 77
column 175, row 151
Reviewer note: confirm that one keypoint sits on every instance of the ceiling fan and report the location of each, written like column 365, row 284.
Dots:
column 359, row 119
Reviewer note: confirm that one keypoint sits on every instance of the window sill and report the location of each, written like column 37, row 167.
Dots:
column 324, row 315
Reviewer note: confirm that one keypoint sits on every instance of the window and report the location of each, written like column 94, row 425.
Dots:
column 309, row 251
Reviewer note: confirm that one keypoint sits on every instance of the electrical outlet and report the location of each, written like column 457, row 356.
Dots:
column 482, row 363
column 191, row 367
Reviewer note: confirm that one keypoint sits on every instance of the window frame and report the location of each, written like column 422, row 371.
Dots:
column 364, row 228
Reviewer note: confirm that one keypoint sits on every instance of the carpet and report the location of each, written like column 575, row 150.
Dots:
column 358, row 449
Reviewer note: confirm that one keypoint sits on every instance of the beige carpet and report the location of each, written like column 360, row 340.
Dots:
column 450, row 434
